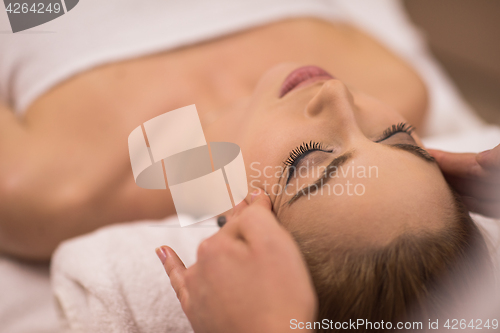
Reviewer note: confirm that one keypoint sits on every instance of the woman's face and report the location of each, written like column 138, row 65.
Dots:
column 338, row 162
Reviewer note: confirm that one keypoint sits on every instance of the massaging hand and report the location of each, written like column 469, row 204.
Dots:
column 476, row 177
column 249, row 277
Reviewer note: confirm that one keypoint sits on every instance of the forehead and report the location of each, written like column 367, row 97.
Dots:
column 375, row 197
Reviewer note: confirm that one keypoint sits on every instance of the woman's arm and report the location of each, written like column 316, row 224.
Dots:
column 44, row 188
column 65, row 168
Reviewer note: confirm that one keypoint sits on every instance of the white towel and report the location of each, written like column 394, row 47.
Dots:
column 112, row 281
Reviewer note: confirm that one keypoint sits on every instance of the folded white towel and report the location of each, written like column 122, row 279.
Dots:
column 112, row 281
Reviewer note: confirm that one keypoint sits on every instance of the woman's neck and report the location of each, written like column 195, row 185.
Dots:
column 224, row 124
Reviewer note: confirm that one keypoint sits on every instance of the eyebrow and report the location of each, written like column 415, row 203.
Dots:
column 415, row 150
column 344, row 158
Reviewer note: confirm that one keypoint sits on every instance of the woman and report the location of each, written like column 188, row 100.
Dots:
column 254, row 251
column 295, row 115
column 377, row 254
column 66, row 169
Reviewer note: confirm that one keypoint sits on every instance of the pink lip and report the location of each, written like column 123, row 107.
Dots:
column 303, row 76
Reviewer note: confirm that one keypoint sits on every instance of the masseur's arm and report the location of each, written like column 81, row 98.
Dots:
column 476, row 177
column 249, row 277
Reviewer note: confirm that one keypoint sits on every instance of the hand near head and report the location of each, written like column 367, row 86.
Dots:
column 249, row 277
column 476, row 177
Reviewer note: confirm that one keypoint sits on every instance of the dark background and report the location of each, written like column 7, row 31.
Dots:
column 464, row 35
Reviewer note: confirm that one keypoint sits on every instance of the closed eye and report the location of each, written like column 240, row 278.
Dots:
column 395, row 129
column 399, row 135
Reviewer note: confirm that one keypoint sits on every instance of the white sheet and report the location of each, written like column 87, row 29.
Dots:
column 26, row 302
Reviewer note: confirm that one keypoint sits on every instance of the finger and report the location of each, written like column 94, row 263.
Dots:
column 482, row 189
column 462, row 165
column 218, row 247
column 239, row 208
column 175, row 269
column 257, row 226
column 258, row 197
column 261, row 198
column 486, row 208
column 236, row 210
column 231, row 214
column 490, row 159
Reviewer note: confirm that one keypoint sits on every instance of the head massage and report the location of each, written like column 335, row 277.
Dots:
column 353, row 183
column 349, row 215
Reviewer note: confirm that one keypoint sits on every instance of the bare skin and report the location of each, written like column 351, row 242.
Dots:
column 254, row 251
column 352, row 207
column 476, row 177
column 65, row 167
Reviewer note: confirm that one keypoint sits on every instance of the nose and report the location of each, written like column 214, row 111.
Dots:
column 332, row 97
column 334, row 104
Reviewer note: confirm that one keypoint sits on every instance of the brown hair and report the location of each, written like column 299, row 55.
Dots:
column 417, row 274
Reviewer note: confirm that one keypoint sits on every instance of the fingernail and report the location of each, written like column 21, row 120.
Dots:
column 254, row 195
column 221, row 220
column 162, row 254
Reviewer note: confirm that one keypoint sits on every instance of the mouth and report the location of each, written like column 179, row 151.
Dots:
column 303, row 76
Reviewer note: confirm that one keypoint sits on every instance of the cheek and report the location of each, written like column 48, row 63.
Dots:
column 261, row 160
column 263, row 175
column 270, row 83
column 311, row 217
column 268, row 141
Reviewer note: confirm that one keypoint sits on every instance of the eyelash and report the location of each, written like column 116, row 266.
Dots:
column 305, row 147
column 301, row 150
column 400, row 127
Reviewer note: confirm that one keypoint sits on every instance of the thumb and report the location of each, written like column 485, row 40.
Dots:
column 457, row 164
column 490, row 159
column 260, row 198
column 257, row 198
